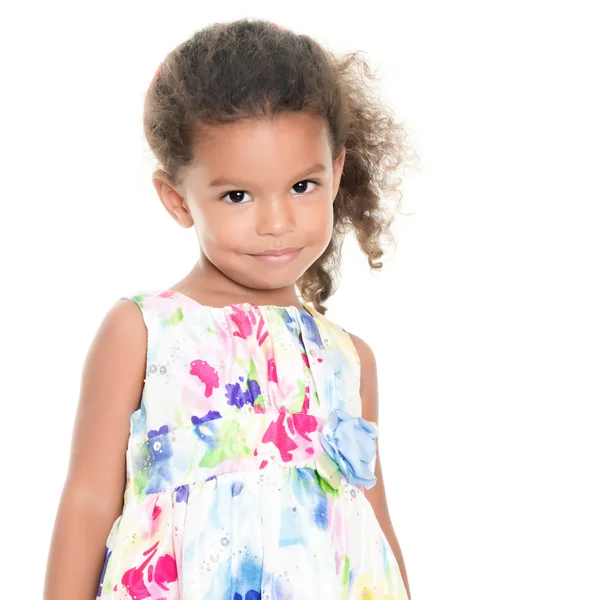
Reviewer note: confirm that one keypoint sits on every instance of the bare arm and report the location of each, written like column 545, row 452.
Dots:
column 376, row 494
column 92, row 496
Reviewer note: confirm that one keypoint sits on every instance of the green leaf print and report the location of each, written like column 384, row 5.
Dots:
column 344, row 570
column 253, row 375
column 298, row 402
column 175, row 318
column 139, row 299
column 260, row 401
column 142, row 471
column 326, row 487
column 228, row 443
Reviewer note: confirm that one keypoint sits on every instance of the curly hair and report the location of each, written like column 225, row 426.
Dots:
column 253, row 68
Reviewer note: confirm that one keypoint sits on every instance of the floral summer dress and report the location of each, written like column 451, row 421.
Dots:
column 247, row 462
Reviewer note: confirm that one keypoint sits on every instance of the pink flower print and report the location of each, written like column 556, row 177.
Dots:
column 277, row 434
column 302, row 423
column 207, row 375
column 133, row 580
column 165, row 572
column 272, row 370
column 261, row 335
column 243, row 321
column 155, row 526
column 298, row 423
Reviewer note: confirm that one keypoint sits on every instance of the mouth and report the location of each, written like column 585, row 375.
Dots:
column 284, row 255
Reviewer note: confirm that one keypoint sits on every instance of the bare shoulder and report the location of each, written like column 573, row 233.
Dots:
column 111, row 385
column 365, row 352
column 124, row 318
column 119, row 343
column 368, row 378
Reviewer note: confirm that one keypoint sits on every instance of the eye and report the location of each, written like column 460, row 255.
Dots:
column 237, row 194
column 303, row 183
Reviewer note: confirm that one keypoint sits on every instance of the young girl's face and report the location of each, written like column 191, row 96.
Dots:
column 258, row 186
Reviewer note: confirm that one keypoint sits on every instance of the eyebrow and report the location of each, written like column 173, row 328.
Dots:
column 225, row 181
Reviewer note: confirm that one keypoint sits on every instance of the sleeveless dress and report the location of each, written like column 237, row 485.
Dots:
column 223, row 497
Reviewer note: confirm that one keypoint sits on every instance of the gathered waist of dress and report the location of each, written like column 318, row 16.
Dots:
column 168, row 458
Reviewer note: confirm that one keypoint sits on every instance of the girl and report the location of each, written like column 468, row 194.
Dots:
column 225, row 440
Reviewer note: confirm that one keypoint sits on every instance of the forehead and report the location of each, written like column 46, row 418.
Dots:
column 253, row 147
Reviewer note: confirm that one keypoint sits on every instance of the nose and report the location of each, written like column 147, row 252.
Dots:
column 275, row 216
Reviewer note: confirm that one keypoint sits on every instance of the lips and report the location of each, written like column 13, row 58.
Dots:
column 284, row 255
column 276, row 252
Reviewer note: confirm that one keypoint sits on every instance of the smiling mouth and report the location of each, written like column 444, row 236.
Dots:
column 278, row 256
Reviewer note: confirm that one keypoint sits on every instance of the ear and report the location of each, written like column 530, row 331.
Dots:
column 338, row 168
column 171, row 199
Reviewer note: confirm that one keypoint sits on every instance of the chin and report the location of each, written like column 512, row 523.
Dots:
column 266, row 277
column 271, row 283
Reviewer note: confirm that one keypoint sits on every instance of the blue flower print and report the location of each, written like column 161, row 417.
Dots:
column 350, row 450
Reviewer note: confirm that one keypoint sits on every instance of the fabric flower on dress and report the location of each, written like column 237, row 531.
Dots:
column 350, row 450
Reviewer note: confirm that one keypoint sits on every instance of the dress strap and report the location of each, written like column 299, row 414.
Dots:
column 160, row 309
column 143, row 302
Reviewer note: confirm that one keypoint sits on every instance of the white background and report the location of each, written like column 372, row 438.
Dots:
column 485, row 321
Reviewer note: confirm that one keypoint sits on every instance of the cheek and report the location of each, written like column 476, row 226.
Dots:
column 318, row 220
column 222, row 231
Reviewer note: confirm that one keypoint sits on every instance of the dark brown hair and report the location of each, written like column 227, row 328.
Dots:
column 252, row 68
